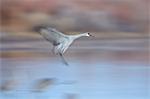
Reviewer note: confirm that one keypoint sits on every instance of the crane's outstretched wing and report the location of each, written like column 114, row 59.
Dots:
column 51, row 34
column 55, row 37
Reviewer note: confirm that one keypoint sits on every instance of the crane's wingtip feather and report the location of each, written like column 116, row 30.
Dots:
column 38, row 28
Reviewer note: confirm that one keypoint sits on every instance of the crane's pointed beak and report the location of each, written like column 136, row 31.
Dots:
column 91, row 35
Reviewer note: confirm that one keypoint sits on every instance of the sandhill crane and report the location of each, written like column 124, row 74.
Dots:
column 59, row 40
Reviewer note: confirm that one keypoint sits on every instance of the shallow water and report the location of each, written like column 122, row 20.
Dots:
column 90, row 80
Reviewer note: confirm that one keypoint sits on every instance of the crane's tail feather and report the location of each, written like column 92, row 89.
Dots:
column 63, row 59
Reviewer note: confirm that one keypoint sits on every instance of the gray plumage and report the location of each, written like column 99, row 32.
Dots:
column 60, row 41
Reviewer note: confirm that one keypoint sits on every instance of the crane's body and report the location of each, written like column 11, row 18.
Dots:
column 60, row 41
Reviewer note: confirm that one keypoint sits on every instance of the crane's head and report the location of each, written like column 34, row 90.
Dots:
column 88, row 34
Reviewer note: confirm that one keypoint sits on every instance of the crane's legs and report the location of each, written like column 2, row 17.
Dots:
column 63, row 59
column 57, row 50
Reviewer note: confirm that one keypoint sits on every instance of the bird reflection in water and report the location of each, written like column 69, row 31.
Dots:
column 43, row 84
column 71, row 96
column 8, row 85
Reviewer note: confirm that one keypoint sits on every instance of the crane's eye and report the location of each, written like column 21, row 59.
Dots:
column 89, row 34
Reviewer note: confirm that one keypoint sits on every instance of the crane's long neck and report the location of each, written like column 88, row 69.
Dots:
column 78, row 35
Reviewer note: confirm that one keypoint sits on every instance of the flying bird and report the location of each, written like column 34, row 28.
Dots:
column 59, row 40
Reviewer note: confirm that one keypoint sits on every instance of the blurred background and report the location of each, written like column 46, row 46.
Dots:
column 112, row 65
